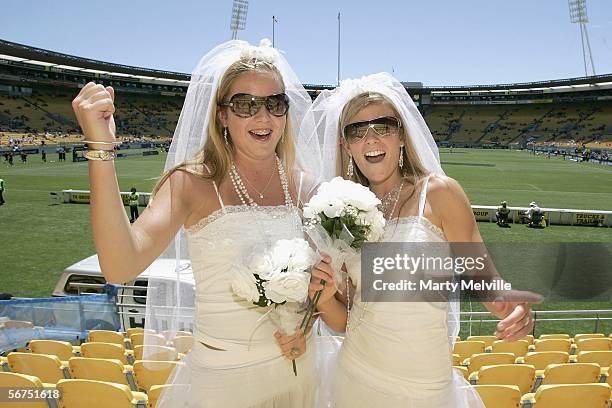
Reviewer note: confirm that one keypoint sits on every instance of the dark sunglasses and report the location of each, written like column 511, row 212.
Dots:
column 247, row 105
column 356, row 132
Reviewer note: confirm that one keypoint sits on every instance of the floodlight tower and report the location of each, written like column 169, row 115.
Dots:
column 578, row 15
column 239, row 16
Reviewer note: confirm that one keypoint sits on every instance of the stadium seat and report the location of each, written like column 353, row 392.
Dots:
column 499, row 396
column 157, row 353
column 529, row 338
column 482, row 359
column 594, row 345
column 541, row 359
column 576, row 373
column 107, row 350
column 521, row 375
column 456, row 360
column 106, row 336
column 579, row 337
column 466, row 348
column 62, row 349
column 488, row 340
column 603, row 358
column 568, row 396
column 518, row 347
column 150, row 373
column 554, row 336
column 135, row 330
column 183, row 344
column 155, row 392
column 551, row 345
column 169, row 334
column 101, row 369
column 138, row 339
column 463, row 371
column 98, row 394
column 21, row 381
column 49, row 369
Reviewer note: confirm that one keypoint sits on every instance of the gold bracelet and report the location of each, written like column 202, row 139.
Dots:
column 100, row 155
column 102, row 143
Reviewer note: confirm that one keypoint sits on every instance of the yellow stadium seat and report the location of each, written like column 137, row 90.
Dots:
column 518, row 347
column 488, row 340
column 569, row 396
column 529, row 338
column 62, row 349
column 575, row 373
column 554, row 336
column 482, row 359
column 541, row 359
column 499, row 396
column 100, row 369
column 135, row 330
column 579, row 337
column 169, row 334
column 463, row 371
column 603, row 358
column 552, row 345
column 106, row 336
column 456, row 360
column 21, row 381
column 521, row 375
column 157, row 353
column 49, row 369
column 183, row 344
column 156, row 390
column 107, row 350
column 150, row 373
column 466, row 348
column 609, row 375
column 138, row 339
column 98, row 394
column 594, row 345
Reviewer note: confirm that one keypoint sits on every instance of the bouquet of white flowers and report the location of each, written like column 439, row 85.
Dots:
column 341, row 216
column 277, row 277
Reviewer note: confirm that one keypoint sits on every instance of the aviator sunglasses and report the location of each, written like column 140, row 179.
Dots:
column 356, row 132
column 247, row 105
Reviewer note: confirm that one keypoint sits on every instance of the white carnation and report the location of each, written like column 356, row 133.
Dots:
column 244, row 284
column 287, row 287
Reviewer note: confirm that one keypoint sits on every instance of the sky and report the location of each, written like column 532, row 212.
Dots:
column 436, row 42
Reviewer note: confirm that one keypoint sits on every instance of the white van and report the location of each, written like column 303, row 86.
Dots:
column 131, row 301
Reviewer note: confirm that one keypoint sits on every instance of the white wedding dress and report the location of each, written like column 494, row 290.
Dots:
column 249, row 369
column 398, row 354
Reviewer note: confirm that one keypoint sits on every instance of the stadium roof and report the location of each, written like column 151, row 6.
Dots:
column 42, row 57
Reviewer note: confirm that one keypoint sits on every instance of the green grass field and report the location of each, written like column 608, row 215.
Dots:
column 39, row 240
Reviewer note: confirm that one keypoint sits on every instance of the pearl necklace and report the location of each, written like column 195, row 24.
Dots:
column 243, row 193
column 260, row 193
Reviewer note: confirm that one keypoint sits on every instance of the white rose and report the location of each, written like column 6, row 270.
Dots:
column 263, row 265
column 302, row 258
column 288, row 286
column 334, row 208
column 244, row 284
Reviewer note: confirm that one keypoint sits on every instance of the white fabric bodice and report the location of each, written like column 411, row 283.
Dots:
column 217, row 244
column 407, row 340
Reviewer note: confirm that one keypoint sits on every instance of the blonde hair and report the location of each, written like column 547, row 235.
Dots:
column 216, row 155
column 412, row 163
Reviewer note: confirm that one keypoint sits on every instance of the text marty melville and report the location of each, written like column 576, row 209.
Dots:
column 423, row 285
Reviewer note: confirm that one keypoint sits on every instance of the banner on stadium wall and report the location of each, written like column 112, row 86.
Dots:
column 589, row 219
column 482, row 214
column 84, row 197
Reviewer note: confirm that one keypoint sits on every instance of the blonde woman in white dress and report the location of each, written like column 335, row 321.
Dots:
column 396, row 354
column 233, row 182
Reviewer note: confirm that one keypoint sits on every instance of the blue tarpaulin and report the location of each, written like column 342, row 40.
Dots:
column 58, row 318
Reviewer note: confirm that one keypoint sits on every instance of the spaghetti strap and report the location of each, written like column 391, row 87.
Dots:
column 423, row 197
column 216, row 189
column 299, row 192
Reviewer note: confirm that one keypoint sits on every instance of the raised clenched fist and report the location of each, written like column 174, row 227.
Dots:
column 94, row 107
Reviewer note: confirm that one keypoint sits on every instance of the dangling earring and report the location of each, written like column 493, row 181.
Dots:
column 350, row 169
column 225, row 135
column 401, row 158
